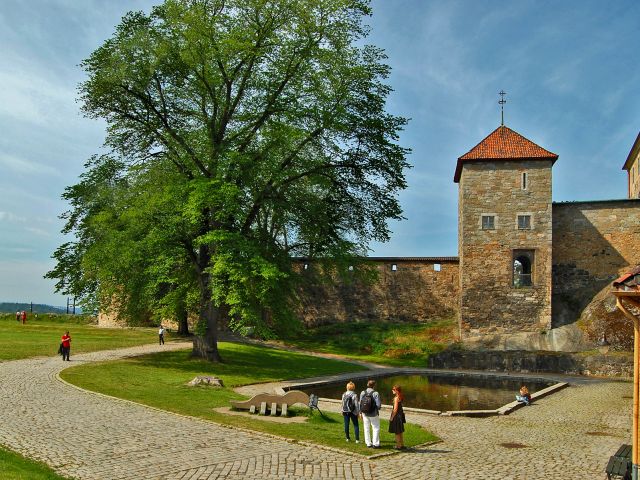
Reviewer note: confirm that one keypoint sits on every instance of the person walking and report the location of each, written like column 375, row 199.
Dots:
column 161, row 335
column 18, row 316
column 23, row 316
column 396, row 422
column 66, row 346
column 370, row 404
column 350, row 406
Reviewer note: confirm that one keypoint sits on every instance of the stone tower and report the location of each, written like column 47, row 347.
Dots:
column 632, row 166
column 504, row 237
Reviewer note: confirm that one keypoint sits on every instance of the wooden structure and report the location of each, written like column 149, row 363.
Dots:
column 627, row 292
column 620, row 463
column 277, row 402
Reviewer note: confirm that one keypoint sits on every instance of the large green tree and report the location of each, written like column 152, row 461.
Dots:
column 241, row 133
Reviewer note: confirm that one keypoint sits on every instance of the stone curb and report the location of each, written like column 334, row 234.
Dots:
column 510, row 407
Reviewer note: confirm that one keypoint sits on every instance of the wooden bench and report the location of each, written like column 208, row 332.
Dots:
column 620, row 464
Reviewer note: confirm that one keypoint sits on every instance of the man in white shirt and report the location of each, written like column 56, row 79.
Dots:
column 370, row 414
column 161, row 335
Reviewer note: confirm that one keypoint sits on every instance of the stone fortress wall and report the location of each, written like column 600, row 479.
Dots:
column 407, row 289
column 593, row 243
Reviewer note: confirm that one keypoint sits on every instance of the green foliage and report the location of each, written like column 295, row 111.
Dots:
column 139, row 379
column 241, row 133
column 16, row 467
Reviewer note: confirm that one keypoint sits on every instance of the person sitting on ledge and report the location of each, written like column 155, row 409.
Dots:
column 524, row 396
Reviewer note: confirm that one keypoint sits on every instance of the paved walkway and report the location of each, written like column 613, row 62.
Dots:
column 567, row 435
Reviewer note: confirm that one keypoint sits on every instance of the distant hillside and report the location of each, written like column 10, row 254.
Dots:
column 7, row 307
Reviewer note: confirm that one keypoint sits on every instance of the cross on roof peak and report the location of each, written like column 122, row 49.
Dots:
column 502, row 101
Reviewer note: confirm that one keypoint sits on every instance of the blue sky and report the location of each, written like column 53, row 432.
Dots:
column 570, row 70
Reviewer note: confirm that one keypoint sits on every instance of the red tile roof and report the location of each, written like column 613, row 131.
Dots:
column 629, row 279
column 504, row 144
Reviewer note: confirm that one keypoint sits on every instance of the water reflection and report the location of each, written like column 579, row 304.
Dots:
column 439, row 392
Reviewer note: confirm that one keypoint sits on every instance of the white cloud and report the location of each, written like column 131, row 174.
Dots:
column 48, row 220
column 38, row 231
column 565, row 76
column 29, row 94
column 19, row 250
column 21, row 165
column 11, row 217
column 22, row 281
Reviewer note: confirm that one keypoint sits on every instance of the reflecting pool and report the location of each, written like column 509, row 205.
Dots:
column 441, row 392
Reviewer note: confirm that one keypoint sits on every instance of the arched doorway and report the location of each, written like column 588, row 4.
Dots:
column 522, row 268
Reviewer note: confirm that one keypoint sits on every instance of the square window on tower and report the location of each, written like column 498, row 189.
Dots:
column 524, row 222
column 488, row 222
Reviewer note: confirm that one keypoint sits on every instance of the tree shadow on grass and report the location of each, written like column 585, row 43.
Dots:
column 245, row 361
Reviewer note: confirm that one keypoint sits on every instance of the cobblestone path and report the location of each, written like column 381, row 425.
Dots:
column 567, row 435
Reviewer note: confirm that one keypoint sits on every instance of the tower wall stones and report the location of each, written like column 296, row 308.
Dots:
column 491, row 301
column 594, row 242
column 632, row 166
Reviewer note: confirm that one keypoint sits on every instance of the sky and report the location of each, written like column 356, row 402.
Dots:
column 570, row 69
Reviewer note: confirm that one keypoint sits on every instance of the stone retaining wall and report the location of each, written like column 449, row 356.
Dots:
column 539, row 362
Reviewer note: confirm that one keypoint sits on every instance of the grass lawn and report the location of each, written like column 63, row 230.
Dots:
column 41, row 336
column 15, row 467
column 159, row 380
column 397, row 344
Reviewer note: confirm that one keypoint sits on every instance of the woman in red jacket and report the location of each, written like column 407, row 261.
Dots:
column 66, row 346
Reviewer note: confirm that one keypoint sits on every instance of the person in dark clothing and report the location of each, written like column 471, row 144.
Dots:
column 396, row 422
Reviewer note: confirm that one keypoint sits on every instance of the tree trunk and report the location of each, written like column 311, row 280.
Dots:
column 207, row 346
column 183, row 324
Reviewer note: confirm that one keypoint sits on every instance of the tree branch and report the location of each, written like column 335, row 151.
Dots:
column 146, row 100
